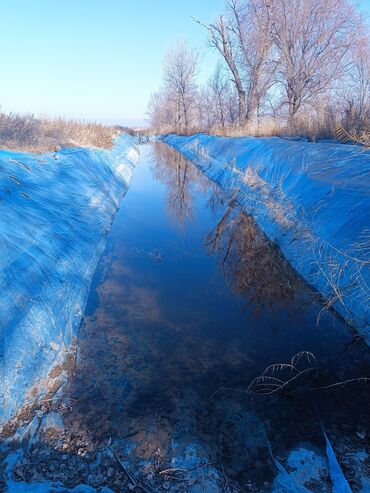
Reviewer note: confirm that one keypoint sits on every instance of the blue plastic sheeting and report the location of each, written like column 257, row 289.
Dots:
column 55, row 212
column 313, row 200
column 340, row 484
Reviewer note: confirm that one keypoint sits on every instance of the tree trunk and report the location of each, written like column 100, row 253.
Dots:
column 253, row 102
column 293, row 104
column 242, row 108
column 186, row 123
column 178, row 115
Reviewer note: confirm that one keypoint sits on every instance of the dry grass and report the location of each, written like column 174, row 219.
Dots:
column 31, row 134
column 310, row 125
column 361, row 137
column 278, row 377
column 305, row 125
column 263, row 128
column 300, row 374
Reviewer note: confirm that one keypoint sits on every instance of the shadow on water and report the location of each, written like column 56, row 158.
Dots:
column 189, row 298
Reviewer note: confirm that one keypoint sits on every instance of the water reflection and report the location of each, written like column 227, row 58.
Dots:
column 253, row 267
column 182, row 180
column 159, row 338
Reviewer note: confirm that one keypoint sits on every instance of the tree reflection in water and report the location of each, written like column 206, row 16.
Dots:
column 253, row 266
column 183, row 182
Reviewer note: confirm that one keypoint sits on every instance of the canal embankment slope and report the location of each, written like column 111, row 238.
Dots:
column 56, row 211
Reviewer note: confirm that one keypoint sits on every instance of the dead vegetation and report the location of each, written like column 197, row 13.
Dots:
column 302, row 373
column 278, row 377
column 308, row 125
column 361, row 137
column 31, row 134
column 345, row 273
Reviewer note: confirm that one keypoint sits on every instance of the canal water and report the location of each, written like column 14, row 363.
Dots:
column 189, row 304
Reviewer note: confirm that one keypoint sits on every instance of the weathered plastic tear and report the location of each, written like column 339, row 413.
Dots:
column 311, row 199
column 55, row 212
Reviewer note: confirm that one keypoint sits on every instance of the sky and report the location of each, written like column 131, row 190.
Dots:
column 95, row 59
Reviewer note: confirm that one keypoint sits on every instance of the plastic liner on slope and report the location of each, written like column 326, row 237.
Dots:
column 312, row 199
column 55, row 211
column 340, row 484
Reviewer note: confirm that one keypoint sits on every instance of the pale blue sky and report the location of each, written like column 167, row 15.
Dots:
column 94, row 59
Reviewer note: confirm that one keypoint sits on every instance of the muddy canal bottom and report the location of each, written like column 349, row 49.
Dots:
column 188, row 305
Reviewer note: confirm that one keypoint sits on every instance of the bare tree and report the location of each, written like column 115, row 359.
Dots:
column 222, row 40
column 280, row 57
column 162, row 109
column 242, row 37
column 217, row 100
column 219, row 87
column 206, row 115
column 250, row 22
column 356, row 93
column 181, row 66
column 312, row 38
